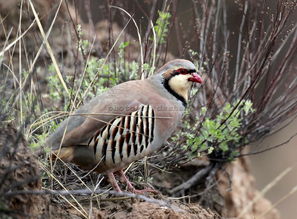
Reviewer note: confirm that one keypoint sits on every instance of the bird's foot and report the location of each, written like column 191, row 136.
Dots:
column 113, row 182
column 131, row 188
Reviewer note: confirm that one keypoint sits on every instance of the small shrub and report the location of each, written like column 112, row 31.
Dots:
column 161, row 27
column 220, row 136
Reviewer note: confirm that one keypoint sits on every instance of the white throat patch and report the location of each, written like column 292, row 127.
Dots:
column 180, row 85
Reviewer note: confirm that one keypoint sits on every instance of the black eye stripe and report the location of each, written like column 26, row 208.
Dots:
column 191, row 71
column 183, row 71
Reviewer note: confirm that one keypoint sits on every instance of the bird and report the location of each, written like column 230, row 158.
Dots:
column 126, row 123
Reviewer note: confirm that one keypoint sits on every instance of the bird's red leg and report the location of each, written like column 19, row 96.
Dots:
column 131, row 188
column 113, row 182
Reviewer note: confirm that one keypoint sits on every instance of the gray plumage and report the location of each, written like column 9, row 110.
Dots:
column 126, row 123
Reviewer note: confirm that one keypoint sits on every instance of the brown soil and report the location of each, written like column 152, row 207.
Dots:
column 18, row 171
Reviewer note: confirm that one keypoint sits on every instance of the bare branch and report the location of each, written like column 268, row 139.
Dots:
column 86, row 192
column 270, row 148
column 193, row 180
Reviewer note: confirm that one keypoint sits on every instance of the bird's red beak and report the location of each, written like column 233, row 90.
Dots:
column 196, row 78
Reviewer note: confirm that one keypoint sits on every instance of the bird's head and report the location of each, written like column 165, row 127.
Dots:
column 178, row 76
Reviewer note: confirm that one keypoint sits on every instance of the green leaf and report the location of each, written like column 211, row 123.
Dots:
column 203, row 147
column 161, row 27
column 210, row 150
column 203, row 111
column 224, row 146
column 248, row 107
column 123, row 45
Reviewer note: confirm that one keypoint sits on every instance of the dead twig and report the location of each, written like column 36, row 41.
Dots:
column 192, row 181
column 85, row 192
column 269, row 148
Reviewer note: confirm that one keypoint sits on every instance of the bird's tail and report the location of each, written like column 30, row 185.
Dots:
column 80, row 155
column 65, row 153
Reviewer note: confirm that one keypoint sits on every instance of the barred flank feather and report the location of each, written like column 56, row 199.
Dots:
column 134, row 132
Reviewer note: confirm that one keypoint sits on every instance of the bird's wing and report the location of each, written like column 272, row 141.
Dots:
column 125, row 138
column 78, row 128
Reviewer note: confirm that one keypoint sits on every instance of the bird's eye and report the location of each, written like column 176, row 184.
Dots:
column 182, row 71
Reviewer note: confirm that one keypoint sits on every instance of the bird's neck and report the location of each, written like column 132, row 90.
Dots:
column 179, row 93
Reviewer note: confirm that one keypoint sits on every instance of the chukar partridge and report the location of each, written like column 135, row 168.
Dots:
column 126, row 123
